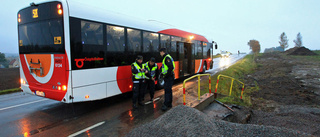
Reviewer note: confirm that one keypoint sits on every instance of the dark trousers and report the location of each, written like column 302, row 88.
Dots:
column 150, row 86
column 168, row 82
column 138, row 92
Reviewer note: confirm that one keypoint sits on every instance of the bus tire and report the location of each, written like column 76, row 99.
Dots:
column 211, row 64
column 204, row 67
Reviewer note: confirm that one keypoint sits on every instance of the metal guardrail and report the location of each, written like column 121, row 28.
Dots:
column 232, row 79
column 184, row 86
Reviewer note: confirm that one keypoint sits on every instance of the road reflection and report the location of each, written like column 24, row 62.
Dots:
column 224, row 62
column 88, row 133
column 130, row 115
column 24, row 124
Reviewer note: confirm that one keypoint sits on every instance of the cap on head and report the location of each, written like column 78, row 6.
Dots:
column 139, row 57
column 152, row 59
column 163, row 50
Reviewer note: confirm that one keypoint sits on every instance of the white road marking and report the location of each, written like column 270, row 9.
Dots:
column 156, row 99
column 22, row 104
column 84, row 130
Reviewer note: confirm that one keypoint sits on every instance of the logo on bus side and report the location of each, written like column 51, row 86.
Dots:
column 35, row 13
column 80, row 62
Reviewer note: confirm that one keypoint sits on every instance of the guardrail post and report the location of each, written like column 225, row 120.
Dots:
column 231, row 87
column 198, row 87
column 210, row 84
column 184, row 86
column 184, row 94
column 215, row 92
column 242, row 91
column 232, row 79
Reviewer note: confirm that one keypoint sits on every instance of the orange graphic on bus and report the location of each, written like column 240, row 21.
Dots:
column 81, row 61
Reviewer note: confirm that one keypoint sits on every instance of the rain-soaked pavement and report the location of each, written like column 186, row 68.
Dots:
column 27, row 115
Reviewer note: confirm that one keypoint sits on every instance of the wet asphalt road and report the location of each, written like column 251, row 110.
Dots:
column 27, row 115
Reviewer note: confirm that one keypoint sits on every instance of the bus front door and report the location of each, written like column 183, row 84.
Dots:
column 188, row 59
column 181, row 54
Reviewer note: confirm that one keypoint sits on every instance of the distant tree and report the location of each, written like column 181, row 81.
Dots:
column 2, row 57
column 3, row 60
column 283, row 40
column 298, row 41
column 254, row 46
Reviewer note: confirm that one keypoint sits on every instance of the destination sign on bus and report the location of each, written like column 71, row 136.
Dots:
column 40, row 12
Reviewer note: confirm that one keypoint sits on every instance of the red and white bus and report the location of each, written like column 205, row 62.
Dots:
column 70, row 52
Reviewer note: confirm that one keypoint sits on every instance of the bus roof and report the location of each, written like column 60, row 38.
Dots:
column 81, row 10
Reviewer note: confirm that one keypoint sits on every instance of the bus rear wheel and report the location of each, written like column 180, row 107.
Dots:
column 204, row 68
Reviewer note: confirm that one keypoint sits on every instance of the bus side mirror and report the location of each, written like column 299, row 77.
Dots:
column 216, row 45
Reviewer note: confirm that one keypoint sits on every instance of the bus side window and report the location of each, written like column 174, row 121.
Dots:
column 196, row 45
column 115, row 45
column 91, row 33
column 165, row 42
column 205, row 49
column 115, row 39
column 134, row 42
column 173, row 49
column 200, row 50
column 150, row 42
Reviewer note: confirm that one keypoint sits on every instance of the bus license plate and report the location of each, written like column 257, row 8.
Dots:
column 40, row 93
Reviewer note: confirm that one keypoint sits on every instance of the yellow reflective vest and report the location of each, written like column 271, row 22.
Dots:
column 165, row 67
column 140, row 74
column 152, row 70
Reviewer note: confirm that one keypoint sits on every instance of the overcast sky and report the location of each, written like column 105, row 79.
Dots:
column 231, row 23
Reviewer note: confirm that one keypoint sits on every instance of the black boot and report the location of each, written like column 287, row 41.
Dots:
column 164, row 108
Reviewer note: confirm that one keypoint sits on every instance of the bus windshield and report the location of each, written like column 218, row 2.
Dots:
column 41, row 37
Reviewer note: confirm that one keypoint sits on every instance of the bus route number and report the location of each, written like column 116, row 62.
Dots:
column 35, row 13
column 58, row 65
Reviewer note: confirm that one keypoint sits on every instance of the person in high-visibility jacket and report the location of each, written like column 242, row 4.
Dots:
column 151, row 76
column 167, row 72
column 138, row 79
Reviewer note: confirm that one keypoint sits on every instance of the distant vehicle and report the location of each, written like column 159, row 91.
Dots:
column 225, row 54
column 73, row 53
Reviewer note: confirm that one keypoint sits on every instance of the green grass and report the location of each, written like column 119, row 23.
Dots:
column 243, row 67
column 9, row 91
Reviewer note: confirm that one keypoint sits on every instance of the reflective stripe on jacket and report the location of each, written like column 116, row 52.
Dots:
column 152, row 71
column 140, row 74
column 165, row 67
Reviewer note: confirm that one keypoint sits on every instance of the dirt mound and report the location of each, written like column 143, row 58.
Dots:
column 300, row 51
column 287, row 93
column 290, row 50
column 187, row 121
